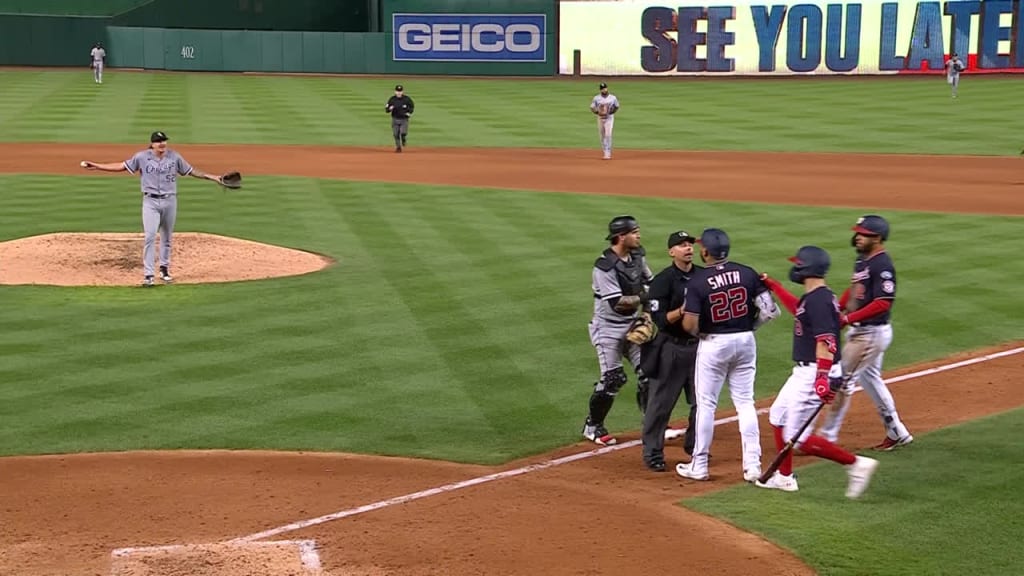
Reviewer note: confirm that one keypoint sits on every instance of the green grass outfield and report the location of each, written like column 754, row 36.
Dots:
column 895, row 115
column 454, row 325
column 948, row 504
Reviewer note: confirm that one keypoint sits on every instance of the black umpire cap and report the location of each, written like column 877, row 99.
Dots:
column 680, row 237
column 158, row 137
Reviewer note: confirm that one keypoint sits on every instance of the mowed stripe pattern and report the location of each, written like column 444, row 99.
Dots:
column 895, row 115
column 453, row 325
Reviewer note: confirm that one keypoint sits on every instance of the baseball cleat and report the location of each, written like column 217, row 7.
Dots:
column 778, row 481
column 752, row 474
column 671, row 433
column 165, row 276
column 147, row 281
column 686, row 471
column 598, row 435
column 860, row 473
column 889, row 444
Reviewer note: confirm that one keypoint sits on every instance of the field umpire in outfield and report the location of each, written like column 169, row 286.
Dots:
column 401, row 107
column 669, row 359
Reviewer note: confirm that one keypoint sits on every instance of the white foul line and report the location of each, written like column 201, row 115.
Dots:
column 563, row 460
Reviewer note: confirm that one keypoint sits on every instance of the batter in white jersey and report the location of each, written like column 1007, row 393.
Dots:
column 96, row 56
column 605, row 105
column 158, row 169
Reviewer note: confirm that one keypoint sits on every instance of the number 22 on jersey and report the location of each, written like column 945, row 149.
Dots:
column 728, row 305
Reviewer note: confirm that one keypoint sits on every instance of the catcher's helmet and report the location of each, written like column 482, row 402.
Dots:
column 809, row 262
column 621, row 225
column 872, row 225
column 716, row 242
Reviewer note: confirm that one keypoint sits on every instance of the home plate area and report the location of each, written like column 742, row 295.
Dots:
column 280, row 558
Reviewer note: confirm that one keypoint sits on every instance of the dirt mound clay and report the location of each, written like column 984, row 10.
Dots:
column 115, row 259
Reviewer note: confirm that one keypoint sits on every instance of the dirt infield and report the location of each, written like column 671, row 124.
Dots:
column 605, row 513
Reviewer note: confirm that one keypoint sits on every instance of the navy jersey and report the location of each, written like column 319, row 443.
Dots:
column 874, row 278
column 817, row 316
column 723, row 295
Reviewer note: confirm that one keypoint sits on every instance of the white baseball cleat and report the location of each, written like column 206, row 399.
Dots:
column 673, row 433
column 860, row 473
column 686, row 471
column 778, row 481
column 752, row 474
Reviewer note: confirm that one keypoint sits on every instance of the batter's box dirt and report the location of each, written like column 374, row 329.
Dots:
column 115, row 259
column 282, row 558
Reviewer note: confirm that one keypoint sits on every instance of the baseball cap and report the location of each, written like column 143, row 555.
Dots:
column 603, row 86
column 399, row 88
column 158, row 137
column 677, row 238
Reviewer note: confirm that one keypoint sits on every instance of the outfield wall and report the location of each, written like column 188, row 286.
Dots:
column 462, row 37
column 752, row 37
column 27, row 40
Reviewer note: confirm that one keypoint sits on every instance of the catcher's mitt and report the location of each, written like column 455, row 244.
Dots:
column 642, row 330
column 231, row 180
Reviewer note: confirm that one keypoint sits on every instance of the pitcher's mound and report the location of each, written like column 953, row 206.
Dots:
column 115, row 259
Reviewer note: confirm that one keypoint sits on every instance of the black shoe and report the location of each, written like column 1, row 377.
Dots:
column 655, row 464
column 398, row 148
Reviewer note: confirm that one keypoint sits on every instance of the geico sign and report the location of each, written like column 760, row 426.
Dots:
column 485, row 37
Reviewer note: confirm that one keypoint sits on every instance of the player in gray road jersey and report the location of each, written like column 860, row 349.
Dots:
column 158, row 168
column 620, row 280
column 953, row 68
column 96, row 55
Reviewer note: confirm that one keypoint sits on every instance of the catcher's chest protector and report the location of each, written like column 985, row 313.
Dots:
column 631, row 276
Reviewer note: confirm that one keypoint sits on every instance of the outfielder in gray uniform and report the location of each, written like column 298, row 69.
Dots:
column 953, row 68
column 620, row 281
column 158, row 168
column 96, row 55
column 605, row 105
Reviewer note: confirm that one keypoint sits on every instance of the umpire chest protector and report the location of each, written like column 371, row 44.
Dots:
column 629, row 273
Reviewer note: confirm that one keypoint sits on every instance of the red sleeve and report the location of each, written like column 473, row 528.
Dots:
column 844, row 299
column 875, row 308
column 786, row 298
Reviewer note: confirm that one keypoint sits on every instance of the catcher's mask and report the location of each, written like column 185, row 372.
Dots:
column 621, row 225
column 809, row 262
column 716, row 242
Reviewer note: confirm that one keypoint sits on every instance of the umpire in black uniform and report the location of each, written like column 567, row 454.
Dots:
column 669, row 360
column 401, row 107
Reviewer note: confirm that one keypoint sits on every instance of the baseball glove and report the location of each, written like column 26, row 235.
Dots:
column 602, row 110
column 642, row 330
column 231, row 180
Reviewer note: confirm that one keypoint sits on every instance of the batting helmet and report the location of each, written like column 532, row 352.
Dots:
column 716, row 242
column 872, row 225
column 621, row 225
column 809, row 262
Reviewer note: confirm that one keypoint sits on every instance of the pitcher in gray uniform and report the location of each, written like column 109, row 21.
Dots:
column 620, row 280
column 158, row 168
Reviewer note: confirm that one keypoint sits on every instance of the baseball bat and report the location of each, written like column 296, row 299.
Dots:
column 788, row 447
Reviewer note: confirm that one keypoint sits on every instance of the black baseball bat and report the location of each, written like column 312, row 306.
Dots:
column 789, row 446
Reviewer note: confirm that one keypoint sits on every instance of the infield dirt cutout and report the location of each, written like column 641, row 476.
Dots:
column 606, row 514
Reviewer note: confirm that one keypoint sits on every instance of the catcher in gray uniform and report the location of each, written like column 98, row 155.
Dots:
column 158, row 168
column 620, row 279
